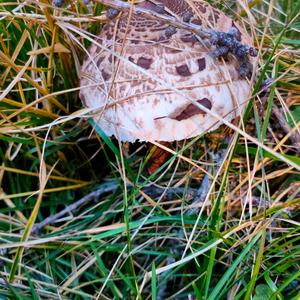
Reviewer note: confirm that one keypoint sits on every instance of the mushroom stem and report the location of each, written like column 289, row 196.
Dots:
column 158, row 158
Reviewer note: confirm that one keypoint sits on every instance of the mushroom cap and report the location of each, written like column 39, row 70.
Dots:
column 143, row 84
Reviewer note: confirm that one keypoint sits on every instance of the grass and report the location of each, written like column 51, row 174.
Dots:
column 139, row 240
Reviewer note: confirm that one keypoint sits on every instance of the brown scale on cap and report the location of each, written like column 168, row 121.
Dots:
column 144, row 62
column 201, row 63
column 153, row 85
column 193, row 110
column 183, row 70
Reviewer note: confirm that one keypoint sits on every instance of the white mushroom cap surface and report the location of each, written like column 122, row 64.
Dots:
column 145, row 86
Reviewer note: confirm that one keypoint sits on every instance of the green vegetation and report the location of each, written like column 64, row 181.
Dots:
column 135, row 236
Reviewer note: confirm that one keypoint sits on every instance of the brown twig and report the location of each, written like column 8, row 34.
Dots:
column 72, row 207
column 95, row 195
column 294, row 135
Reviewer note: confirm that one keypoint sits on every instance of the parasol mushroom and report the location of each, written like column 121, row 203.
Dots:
column 149, row 81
